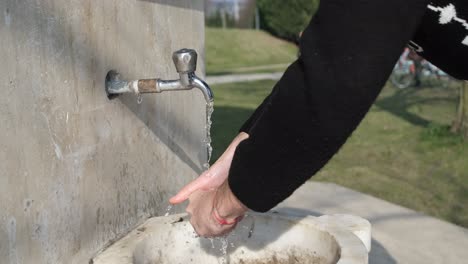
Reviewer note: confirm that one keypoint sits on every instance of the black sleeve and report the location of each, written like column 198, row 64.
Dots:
column 443, row 44
column 347, row 53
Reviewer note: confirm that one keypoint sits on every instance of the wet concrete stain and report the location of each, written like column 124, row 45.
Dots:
column 99, row 215
column 7, row 16
column 12, row 241
column 27, row 204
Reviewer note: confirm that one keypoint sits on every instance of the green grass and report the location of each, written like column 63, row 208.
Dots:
column 230, row 50
column 402, row 152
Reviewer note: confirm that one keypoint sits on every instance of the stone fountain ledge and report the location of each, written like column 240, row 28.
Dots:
column 399, row 235
column 259, row 238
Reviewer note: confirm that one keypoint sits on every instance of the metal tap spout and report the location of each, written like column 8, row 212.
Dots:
column 206, row 90
column 185, row 61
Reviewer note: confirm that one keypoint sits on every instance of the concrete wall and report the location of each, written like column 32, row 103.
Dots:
column 77, row 170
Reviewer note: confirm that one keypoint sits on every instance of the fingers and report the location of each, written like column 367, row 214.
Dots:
column 201, row 182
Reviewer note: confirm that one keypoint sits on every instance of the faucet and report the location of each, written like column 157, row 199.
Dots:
column 185, row 61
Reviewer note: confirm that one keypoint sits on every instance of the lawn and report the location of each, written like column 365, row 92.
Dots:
column 402, row 152
column 238, row 50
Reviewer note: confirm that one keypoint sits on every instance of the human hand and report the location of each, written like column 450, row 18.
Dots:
column 213, row 207
column 216, row 212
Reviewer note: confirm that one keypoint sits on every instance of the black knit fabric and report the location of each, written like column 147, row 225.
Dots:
column 441, row 43
column 347, row 53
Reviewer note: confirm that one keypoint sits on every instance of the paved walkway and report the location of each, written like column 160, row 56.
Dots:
column 399, row 235
column 248, row 77
column 260, row 67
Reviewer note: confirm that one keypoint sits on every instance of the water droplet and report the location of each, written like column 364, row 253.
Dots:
column 139, row 98
column 223, row 249
column 212, row 242
column 168, row 210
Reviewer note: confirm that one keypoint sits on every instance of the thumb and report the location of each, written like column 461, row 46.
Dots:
column 201, row 182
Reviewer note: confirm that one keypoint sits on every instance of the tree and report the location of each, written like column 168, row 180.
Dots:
column 246, row 14
column 460, row 125
column 286, row 19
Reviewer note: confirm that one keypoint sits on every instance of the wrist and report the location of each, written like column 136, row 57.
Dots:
column 225, row 221
column 240, row 137
column 235, row 142
column 226, row 206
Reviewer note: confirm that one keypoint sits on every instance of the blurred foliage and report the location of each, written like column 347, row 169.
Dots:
column 286, row 19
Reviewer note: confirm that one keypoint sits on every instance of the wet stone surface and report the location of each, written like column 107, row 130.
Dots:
column 293, row 259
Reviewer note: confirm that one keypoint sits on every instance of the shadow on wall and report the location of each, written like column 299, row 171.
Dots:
column 172, row 123
column 89, row 55
column 93, row 60
column 189, row 4
column 163, row 133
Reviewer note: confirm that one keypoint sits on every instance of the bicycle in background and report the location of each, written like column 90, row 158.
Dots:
column 412, row 70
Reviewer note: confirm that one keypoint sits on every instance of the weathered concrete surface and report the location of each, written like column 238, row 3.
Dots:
column 399, row 235
column 77, row 170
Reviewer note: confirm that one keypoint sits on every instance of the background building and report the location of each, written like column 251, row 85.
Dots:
column 230, row 13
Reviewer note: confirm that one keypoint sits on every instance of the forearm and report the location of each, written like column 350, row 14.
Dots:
column 347, row 53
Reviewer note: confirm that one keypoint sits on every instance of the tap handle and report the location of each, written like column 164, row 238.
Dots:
column 185, row 60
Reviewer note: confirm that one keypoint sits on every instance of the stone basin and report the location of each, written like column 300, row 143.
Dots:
column 258, row 238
